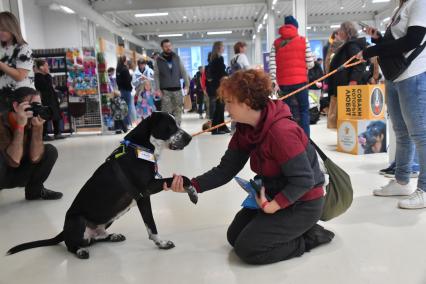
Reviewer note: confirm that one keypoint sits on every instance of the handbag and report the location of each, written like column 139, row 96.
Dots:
column 339, row 191
column 393, row 66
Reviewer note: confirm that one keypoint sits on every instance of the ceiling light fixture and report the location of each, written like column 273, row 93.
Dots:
column 386, row 19
column 380, row 1
column 254, row 37
column 308, row 28
column 67, row 9
column 185, row 17
column 220, row 33
column 151, row 14
column 364, row 4
column 170, row 35
column 334, row 26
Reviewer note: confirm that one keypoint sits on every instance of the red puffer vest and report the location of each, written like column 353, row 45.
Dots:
column 291, row 58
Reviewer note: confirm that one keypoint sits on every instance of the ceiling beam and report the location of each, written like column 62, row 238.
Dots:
column 147, row 5
column 194, row 27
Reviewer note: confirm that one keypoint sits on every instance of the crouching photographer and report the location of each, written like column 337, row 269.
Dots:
column 24, row 160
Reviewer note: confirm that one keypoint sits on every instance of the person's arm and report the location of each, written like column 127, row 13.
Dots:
column 273, row 65
column 17, row 74
column 15, row 150
column 36, row 145
column 310, row 60
column 24, row 64
column 184, row 75
column 410, row 41
column 357, row 72
column 136, row 80
column 230, row 165
column 243, row 61
column 295, row 167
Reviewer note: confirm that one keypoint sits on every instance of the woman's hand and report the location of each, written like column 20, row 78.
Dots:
column 269, row 207
column 177, row 184
column 21, row 114
column 372, row 32
column 37, row 122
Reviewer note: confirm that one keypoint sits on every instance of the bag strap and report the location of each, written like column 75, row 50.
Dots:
column 416, row 53
column 319, row 151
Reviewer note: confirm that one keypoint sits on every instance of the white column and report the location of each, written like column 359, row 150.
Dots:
column 270, row 25
column 258, row 49
column 299, row 12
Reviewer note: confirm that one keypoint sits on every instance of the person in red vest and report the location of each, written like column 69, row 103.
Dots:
column 289, row 61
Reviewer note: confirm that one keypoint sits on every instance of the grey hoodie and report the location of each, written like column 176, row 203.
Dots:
column 168, row 76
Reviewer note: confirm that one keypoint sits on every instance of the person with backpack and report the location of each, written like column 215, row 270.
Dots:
column 289, row 62
column 290, row 203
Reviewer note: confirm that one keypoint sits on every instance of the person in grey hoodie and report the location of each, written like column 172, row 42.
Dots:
column 168, row 71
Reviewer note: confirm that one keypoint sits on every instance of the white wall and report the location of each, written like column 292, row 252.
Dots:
column 33, row 24
column 61, row 30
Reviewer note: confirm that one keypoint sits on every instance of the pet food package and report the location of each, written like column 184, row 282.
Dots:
column 359, row 137
column 361, row 102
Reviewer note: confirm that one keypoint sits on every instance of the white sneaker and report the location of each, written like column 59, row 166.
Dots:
column 393, row 188
column 417, row 200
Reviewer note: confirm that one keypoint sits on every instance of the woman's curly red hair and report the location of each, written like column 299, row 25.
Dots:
column 251, row 87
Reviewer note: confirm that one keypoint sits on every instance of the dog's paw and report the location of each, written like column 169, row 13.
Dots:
column 116, row 238
column 165, row 244
column 192, row 193
column 82, row 253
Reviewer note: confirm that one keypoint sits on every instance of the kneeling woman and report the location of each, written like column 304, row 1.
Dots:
column 281, row 155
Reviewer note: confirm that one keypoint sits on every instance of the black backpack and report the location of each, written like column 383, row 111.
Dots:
column 235, row 66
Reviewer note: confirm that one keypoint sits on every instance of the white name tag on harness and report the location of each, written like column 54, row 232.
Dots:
column 147, row 156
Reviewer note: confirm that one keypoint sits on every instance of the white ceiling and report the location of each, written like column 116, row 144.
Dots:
column 194, row 18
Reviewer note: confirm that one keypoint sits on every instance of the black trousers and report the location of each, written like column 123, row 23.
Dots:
column 56, row 127
column 260, row 238
column 120, row 125
column 29, row 175
column 219, row 114
column 200, row 102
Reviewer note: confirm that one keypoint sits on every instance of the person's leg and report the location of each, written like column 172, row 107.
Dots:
column 200, row 102
column 412, row 93
column 40, row 172
column 303, row 108
column 332, row 113
column 291, row 101
column 270, row 238
column 177, row 106
column 166, row 102
column 56, row 127
column 212, row 107
column 415, row 167
column 127, row 97
column 243, row 217
column 207, row 105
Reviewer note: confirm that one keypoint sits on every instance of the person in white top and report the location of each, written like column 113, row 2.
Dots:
column 16, row 63
column 240, row 57
column 405, row 95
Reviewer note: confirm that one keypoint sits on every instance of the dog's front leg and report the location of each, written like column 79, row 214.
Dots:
column 144, row 205
column 157, row 185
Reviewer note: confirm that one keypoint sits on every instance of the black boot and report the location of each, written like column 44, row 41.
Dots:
column 45, row 194
column 317, row 236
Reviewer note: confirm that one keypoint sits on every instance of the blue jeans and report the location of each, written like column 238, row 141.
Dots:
column 127, row 97
column 407, row 110
column 299, row 105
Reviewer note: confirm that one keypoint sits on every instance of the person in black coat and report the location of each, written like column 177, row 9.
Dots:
column 124, row 83
column 215, row 72
column 351, row 76
column 43, row 84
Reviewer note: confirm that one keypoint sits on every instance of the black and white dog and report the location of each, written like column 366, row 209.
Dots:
column 126, row 178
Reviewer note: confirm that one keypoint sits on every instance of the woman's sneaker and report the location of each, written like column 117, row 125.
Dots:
column 388, row 170
column 393, row 188
column 417, row 200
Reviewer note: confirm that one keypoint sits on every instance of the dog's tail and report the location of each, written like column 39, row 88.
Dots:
column 42, row 243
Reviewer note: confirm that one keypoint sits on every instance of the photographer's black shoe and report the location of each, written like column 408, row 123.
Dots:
column 48, row 138
column 45, row 194
column 317, row 236
column 59, row 136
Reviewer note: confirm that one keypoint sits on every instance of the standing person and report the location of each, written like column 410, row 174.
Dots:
column 16, row 63
column 285, row 225
column 142, row 74
column 290, row 59
column 199, row 91
column 157, row 99
column 239, row 61
column 168, row 71
column 145, row 101
column 406, row 97
column 120, row 111
column 314, row 74
column 43, row 84
column 216, row 71
column 24, row 160
column 112, row 81
column 124, row 83
column 352, row 76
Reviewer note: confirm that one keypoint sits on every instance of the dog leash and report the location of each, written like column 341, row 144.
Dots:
column 348, row 64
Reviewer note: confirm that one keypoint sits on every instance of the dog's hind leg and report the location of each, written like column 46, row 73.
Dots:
column 74, row 236
column 144, row 205
column 101, row 235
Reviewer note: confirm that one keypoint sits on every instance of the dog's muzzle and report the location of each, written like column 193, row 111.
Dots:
column 179, row 140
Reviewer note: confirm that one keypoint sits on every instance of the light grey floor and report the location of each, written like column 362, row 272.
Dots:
column 375, row 242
